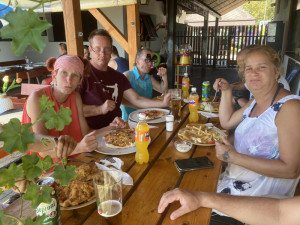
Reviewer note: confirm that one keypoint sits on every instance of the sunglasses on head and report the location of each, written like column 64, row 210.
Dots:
column 148, row 58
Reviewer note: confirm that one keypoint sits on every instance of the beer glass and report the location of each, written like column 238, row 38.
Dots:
column 108, row 191
column 176, row 104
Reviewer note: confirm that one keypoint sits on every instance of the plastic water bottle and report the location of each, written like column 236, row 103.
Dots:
column 142, row 140
column 27, row 61
column 193, row 106
column 185, row 86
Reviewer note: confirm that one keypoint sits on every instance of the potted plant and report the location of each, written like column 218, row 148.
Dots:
column 5, row 102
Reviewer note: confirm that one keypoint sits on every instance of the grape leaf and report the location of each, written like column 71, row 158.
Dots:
column 46, row 163
column 64, row 175
column 16, row 136
column 2, row 222
column 31, row 166
column 45, row 103
column 24, row 28
column 38, row 220
column 37, row 196
column 58, row 119
column 8, row 176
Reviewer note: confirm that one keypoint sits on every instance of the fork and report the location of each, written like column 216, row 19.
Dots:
column 108, row 158
column 210, row 108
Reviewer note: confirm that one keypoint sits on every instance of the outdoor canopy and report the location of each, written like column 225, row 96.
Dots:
column 56, row 6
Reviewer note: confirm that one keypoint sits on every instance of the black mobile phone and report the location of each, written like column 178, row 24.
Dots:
column 184, row 165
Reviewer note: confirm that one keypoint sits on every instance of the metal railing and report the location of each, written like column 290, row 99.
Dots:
column 228, row 40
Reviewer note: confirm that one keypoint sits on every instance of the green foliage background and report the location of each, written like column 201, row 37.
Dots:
column 257, row 9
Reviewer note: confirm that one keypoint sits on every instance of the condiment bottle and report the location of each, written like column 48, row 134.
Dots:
column 193, row 106
column 142, row 140
column 185, row 86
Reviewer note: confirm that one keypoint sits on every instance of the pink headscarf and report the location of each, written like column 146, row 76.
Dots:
column 69, row 62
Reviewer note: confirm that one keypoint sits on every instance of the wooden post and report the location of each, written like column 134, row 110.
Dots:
column 73, row 26
column 133, row 31
column 204, row 48
column 171, row 21
column 216, row 44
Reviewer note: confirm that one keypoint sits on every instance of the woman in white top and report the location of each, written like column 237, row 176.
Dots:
column 265, row 158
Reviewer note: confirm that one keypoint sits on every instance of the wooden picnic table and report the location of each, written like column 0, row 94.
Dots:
column 151, row 180
column 24, row 72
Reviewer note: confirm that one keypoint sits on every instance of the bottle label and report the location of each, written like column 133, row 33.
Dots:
column 141, row 136
column 185, row 83
column 193, row 102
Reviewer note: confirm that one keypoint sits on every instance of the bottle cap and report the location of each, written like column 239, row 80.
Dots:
column 194, row 89
column 185, row 74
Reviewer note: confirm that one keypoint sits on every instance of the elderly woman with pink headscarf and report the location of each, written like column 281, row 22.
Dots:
column 67, row 73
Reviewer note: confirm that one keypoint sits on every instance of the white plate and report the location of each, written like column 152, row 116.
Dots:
column 28, row 67
column 213, row 128
column 134, row 115
column 80, row 205
column 102, row 148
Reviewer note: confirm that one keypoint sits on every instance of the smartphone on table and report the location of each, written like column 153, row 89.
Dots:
column 184, row 165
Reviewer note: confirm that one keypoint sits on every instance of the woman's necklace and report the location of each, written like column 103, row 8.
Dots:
column 276, row 93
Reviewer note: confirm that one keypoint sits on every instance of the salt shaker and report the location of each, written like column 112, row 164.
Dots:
column 169, row 122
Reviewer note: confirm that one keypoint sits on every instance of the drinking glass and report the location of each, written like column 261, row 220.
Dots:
column 176, row 104
column 108, row 190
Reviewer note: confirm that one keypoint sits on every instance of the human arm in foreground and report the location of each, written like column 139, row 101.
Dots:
column 250, row 210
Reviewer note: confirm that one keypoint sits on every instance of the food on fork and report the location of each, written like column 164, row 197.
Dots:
column 120, row 138
column 152, row 114
column 199, row 134
column 80, row 189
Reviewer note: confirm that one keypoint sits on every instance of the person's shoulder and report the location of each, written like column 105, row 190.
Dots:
column 35, row 95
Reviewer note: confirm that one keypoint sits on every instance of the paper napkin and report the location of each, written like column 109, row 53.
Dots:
column 103, row 165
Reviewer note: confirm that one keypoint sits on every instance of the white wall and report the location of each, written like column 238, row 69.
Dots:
column 116, row 14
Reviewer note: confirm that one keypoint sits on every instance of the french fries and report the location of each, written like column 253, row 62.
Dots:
column 199, row 134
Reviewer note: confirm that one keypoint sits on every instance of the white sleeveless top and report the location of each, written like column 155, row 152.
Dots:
column 257, row 137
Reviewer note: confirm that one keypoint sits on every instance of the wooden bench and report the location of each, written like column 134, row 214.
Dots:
column 19, row 99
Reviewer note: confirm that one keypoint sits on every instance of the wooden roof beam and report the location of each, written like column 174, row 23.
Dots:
column 131, row 44
column 110, row 27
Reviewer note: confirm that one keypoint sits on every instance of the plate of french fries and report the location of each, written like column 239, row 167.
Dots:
column 200, row 134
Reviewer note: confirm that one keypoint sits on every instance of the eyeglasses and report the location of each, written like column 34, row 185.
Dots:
column 104, row 51
column 148, row 58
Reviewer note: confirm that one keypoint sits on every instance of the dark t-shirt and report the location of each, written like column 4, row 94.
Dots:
column 123, row 64
column 100, row 86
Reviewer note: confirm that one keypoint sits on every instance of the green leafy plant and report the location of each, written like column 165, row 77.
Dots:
column 17, row 136
column 25, row 28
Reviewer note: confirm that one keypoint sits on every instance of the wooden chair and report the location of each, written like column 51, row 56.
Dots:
column 34, row 73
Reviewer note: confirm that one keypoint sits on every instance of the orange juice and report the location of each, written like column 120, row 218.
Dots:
column 185, row 86
column 142, row 140
column 193, row 106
